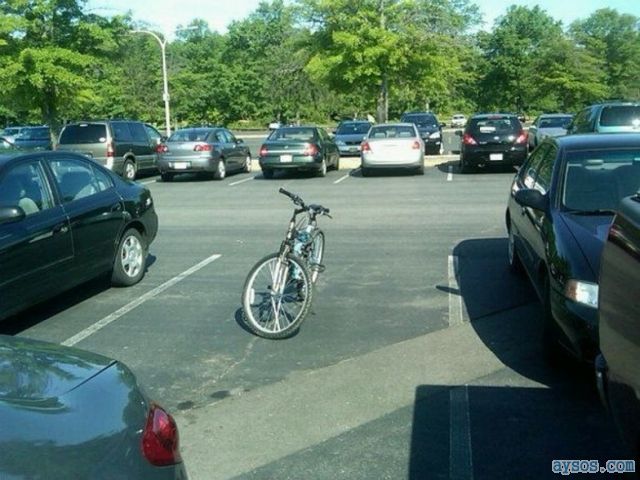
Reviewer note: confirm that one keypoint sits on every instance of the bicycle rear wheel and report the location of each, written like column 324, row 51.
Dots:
column 277, row 296
column 316, row 255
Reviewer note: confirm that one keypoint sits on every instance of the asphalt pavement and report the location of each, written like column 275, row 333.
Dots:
column 420, row 358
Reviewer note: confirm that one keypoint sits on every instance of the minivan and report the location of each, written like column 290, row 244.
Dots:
column 123, row 146
column 610, row 117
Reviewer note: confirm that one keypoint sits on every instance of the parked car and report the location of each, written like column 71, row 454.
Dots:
column 299, row 148
column 67, row 413
column 34, row 138
column 124, row 146
column 561, row 205
column 210, row 150
column 493, row 139
column 64, row 220
column 619, row 322
column 609, row 117
column 10, row 133
column 458, row 121
column 430, row 130
column 548, row 125
column 349, row 136
column 392, row 145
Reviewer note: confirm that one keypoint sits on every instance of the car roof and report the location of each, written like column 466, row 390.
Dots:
column 587, row 141
column 394, row 124
column 5, row 158
column 496, row 114
column 555, row 115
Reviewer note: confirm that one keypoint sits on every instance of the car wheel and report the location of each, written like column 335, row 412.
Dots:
column 420, row 170
column 441, row 150
column 267, row 173
column 131, row 259
column 166, row 177
column 221, row 170
column 322, row 172
column 463, row 167
column 247, row 164
column 365, row 172
column 337, row 164
column 514, row 259
column 129, row 170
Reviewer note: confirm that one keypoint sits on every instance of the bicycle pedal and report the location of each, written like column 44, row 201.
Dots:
column 318, row 267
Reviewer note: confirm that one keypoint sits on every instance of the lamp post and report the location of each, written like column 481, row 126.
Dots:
column 165, row 95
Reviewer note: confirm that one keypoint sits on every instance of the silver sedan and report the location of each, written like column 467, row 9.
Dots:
column 392, row 145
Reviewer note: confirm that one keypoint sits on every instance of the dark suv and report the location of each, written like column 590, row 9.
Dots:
column 492, row 139
column 124, row 146
column 430, row 130
column 610, row 117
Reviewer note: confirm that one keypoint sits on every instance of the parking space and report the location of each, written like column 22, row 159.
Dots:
column 420, row 359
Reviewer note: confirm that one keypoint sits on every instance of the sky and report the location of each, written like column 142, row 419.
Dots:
column 166, row 15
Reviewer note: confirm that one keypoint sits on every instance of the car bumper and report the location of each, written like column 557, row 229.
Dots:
column 579, row 325
column 485, row 156
column 349, row 150
column 188, row 164
column 432, row 145
column 298, row 162
column 368, row 161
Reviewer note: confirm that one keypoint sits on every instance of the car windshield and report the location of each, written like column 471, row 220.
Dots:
column 84, row 133
column 392, row 131
column 189, row 136
column 597, row 180
column 620, row 116
column 353, row 128
column 34, row 134
column 295, row 133
column 554, row 122
column 421, row 120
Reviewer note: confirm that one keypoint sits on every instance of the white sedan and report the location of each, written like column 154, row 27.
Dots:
column 392, row 145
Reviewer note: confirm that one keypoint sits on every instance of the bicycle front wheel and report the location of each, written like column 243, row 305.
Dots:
column 277, row 296
column 315, row 255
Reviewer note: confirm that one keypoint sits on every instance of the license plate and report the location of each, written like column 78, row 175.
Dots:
column 495, row 156
column 181, row 165
column 353, row 149
column 286, row 158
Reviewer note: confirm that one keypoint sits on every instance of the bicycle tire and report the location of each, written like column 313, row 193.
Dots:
column 316, row 254
column 261, row 311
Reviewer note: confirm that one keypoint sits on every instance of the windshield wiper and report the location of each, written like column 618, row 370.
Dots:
column 597, row 211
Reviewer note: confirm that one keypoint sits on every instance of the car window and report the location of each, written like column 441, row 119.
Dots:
column 230, row 137
column 530, row 168
column 138, row 132
column 35, row 133
column 221, row 137
column 545, row 169
column 84, row 133
column 554, row 122
column 189, row 135
column 26, row 186
column 498, row 125
column 353, row 128
column 392, row 131
column 121, row 132
column 77, row 179
column 152, row 133
column 620, row 116
column 295, row 133
column 420, row 119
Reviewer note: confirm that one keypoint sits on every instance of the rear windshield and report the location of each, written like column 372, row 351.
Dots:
column 420, row 119
column 392, row 131
column 34, row 134
column 84, row 133
column 353, row 128
column 302, row 134
column 494, row 125
column 554, row 122
column 620, row 116
column 189, row 136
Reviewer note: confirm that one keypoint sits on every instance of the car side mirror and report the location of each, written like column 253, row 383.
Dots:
column 11, row 214
column 458, row 133
column 442, row 124
column 239, row 141
column 529, row 197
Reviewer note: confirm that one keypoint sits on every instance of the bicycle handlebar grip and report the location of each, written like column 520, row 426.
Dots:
column 284, row 192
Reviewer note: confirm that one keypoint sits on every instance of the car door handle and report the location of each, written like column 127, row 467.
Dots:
column 61, row 228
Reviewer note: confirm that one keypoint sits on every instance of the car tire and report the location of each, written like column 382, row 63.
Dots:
column 322, row 171
column 247, row 164
column 166, row 177
column 130, row 261
column 420, row 170
column 515, row 264
column 221, row 170
column 463, row 167
column 267, row 173
column 129, row 170
column 365, row 172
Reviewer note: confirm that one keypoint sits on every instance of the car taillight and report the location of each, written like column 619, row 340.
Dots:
column 160, row 439
column 416, row 145
column 203, row 147
column 110, row 151
column 263, row 151
column 365, row 147
column 469, row 140
column 522, row 138
column 310, row 150
column 162, row 148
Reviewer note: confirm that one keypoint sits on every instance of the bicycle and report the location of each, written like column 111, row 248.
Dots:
column 278, row 291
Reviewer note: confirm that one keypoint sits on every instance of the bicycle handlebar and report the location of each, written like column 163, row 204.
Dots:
column 298, row 201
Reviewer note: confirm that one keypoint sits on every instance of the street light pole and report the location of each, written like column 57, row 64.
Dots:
column 165, row 81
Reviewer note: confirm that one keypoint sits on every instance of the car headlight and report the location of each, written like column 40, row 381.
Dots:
column 435, row 135
column 585, row 293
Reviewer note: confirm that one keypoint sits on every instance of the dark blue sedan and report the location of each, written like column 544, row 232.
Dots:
column 560, row 208
column 64, row 220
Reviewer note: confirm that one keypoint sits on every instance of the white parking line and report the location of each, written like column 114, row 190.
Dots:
column 455, row 299
column 99, row 325
column 241, row 181
column 460, row 453
column 342, row 178
column 450, row 174
column 149, row 181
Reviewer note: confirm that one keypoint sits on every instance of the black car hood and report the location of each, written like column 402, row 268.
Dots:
column 33, row 371
column 590, row 233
